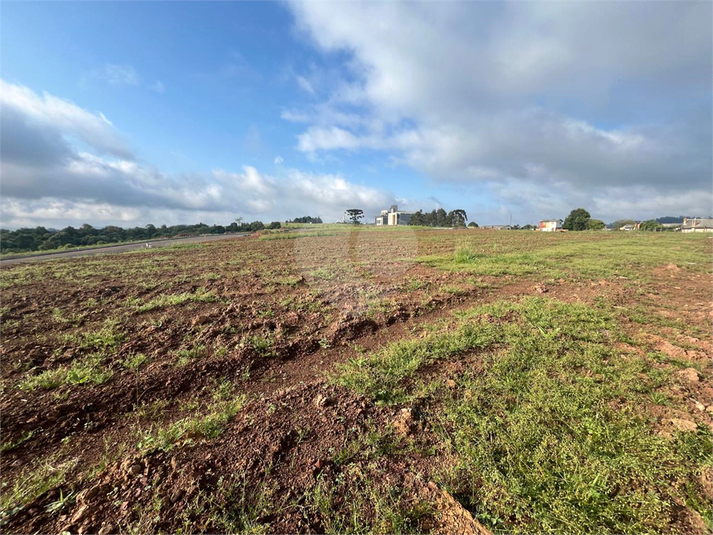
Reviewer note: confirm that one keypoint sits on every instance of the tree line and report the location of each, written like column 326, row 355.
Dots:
column 579, row 219
column 43, row 239
column 306, row 219
column 440, row 218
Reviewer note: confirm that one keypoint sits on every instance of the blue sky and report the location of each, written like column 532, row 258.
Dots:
column 130, row 113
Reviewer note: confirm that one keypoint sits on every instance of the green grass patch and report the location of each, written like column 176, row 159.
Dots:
column 189, row 429
column 11, row 445
column 106, row 338
column 579, row 255
column 548, row 430
column 46, row 380
column 165, row 301
column 187, row 355
column 89, row 369
column 44, row 475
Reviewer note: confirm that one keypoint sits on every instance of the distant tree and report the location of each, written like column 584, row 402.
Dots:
column 439, row 218
column 577, row 220
column 431, row 218
column 417, row 219
column 306, row 219
column 651, row 226
column 355, row 214
column 274, row 225
column 458, row 218
column 595, row 224
column 472, row 224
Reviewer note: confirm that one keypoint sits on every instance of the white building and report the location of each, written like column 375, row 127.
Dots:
column 550, row 225
column 393, row 216
column 697, row 224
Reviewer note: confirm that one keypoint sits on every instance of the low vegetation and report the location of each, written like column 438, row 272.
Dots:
column 348, row 378
column 544, row 425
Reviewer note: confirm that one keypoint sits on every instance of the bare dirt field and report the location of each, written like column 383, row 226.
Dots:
column 362, row 380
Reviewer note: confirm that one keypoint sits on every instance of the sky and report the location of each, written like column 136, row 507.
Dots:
column 180, row 112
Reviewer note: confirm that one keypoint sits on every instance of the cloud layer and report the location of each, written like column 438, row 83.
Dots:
column 61, row 163
column 601, row 98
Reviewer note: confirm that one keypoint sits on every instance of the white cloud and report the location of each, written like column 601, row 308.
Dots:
column 278, row 160
column 589, row 95
column 106, row 185
column 158, row 87
column 52, row 116
column 305, row 85
column 119, row 75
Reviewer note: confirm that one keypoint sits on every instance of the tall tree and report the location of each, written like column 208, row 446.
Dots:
column 577, row 220
column 355, row 214
column 458, row 218
column 417, row 219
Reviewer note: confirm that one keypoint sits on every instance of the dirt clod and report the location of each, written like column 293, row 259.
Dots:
column 322, row 401
column 404, row 422
column 684, row 425
column 135, row 469
column 453, row 517
column 689, row 374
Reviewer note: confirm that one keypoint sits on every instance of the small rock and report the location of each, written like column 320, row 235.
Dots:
column 684, row 425
column 88, row 495
column 673, row 267
column 689, row 374
column 80, row 513
column 709, row 409
column 699, row 406
column 107, row 529
column 541, row 289
column 322, row 401
column 177, row 495
column 201, row 320
column 135, row 469
column 450, row 383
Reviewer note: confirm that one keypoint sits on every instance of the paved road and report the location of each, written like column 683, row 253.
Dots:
column 118, row 248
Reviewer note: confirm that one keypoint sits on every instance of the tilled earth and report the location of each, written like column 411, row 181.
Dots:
column 267, row 321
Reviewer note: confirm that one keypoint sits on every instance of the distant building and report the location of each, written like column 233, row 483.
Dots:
column 631, row 226
column 697, row 224
column 550, row 225
column 393, row 216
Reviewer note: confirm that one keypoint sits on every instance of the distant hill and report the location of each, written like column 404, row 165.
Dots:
column 679, row 219
column 671, row 219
